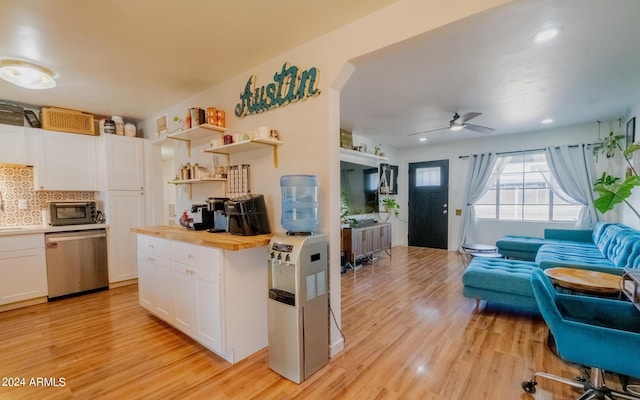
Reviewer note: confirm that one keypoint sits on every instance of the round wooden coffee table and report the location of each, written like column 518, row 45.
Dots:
column 583, row 280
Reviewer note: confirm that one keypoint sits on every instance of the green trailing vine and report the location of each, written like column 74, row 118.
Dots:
column 613, row 190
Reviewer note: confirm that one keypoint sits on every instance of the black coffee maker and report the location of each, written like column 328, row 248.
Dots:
column 215, row 206
column 201, row 218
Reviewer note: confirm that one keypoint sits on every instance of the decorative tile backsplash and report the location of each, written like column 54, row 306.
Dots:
column 16, row 183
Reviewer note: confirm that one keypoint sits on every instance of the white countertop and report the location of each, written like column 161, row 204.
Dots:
column 25, row 230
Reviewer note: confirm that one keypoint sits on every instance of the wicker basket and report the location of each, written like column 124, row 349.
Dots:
column 61, row 119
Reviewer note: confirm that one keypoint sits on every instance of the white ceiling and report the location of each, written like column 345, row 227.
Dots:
column 135, row 58
column 489, row 64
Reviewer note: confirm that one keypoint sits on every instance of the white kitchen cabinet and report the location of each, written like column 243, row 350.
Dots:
column 154, row 276
column 23, row 269
column 122, row 162
column 63, row 161
column 123, row 209
column 123, row 201
column 197, row 293
column 218, row 297
column 14, row 144
column 146, row 280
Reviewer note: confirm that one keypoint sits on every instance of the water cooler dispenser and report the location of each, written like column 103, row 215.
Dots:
column 298, row 305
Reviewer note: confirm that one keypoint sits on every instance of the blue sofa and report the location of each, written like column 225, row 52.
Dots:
column 614, row 247
column 611, row 248
column 526, row 247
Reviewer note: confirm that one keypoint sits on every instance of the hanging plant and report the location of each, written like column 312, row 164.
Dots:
column 608, row 146
column 613, row 190
column 391, row 207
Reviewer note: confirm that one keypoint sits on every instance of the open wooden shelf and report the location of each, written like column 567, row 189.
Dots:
column 247, row 145
column 199, row 132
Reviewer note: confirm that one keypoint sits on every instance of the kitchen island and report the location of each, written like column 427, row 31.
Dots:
column 211, row 286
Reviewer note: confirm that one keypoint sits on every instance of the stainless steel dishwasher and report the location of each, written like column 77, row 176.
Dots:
column 76, row 261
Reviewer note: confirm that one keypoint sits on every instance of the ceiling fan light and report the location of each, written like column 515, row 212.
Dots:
column 456, row 127
column 26, row 74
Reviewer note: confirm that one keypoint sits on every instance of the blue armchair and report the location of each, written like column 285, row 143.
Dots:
column 602, row 334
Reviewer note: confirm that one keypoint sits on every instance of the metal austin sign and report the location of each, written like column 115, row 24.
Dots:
column 288, row 86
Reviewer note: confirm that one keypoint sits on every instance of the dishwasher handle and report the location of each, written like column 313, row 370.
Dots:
column 78, row 237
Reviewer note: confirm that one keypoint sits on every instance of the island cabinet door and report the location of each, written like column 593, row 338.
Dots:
column 154, row 276
column 162, row 295
column 146, row 280
column 208, row 321
column 197, row 294
column 184, row 299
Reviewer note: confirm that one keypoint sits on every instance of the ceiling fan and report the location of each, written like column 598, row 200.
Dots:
column 459, row 122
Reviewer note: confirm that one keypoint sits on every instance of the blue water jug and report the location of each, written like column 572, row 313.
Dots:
column 299, row 203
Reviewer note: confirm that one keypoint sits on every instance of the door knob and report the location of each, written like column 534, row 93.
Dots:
column 445, row 205
column 444, row 211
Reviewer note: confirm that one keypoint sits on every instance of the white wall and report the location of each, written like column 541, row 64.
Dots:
column 490, row 230
column 627, row 216
column 310, row 128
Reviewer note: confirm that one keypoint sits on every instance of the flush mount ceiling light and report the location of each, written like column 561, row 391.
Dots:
column 26, row 74
column 423, row 139
column 547, row 121
column 546, row 34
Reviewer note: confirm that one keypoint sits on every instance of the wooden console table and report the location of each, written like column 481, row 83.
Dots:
column 361, row 243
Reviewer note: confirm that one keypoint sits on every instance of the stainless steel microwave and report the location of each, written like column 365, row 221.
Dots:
column 72, row 212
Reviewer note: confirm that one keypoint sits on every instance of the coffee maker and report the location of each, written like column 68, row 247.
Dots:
column 201, row 218
column 215, row 206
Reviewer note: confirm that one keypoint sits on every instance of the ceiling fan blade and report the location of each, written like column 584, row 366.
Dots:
column 431, row 130
column 478, row 128
column 467, row 117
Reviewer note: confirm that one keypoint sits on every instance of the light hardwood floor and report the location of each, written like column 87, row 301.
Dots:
column 410, row 334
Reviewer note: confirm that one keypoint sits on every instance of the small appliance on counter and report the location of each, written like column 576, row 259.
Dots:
column 72, row 213
column 215, row 205
column 200, row 218
column 247, row 215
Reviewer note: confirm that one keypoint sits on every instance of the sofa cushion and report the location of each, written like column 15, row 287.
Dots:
column 499, row 275
column 619, row 243
column 520, row 247
column 572, row 256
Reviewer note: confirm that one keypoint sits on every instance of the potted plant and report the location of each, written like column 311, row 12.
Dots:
column 345, row 211
column 613, row 190
column 391, row 207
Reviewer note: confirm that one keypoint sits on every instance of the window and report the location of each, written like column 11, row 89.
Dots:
column 428, row 176
column 526, row 191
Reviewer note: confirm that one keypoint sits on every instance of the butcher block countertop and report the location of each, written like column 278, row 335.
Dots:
column 225, row 241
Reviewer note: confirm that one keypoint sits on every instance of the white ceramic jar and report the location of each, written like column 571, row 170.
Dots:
column 119, row 124
column 129, row 129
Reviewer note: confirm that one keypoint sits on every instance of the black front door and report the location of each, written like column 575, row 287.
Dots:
column 429, row 204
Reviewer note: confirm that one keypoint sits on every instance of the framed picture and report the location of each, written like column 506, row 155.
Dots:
column 631, row 132
column 346, row 139
column 161, row 124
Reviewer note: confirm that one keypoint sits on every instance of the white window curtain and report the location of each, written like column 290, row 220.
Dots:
column 482, row 173
column 571, row 166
